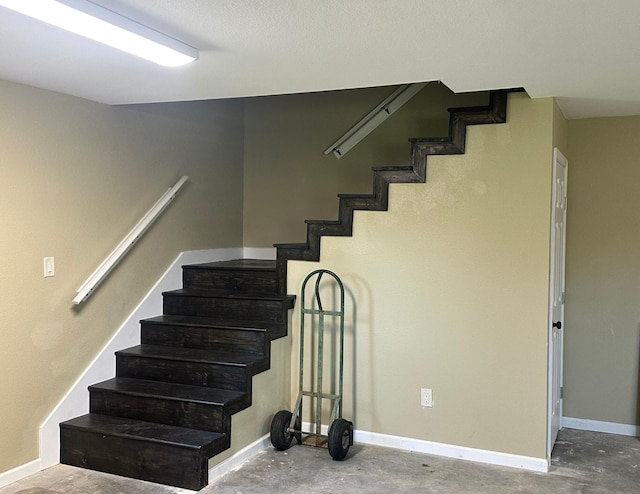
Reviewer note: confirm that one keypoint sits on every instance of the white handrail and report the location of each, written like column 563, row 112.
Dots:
column 123, row 247
column 374, row 118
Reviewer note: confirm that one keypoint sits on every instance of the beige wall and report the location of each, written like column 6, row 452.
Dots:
column 603, row 269
column 270, row 393
column 76, row 177
column 288, row 179
column 449, row 290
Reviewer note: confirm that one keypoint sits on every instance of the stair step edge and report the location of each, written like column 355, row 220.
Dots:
column 227, row 294
column 391, row 168
column 293, row 245
column 193, row 439
column 429, row 140
column 322, row 222
column 356, row 196
column 263, row 265
column 170, row 392
column 195, row 355
column 209, row 322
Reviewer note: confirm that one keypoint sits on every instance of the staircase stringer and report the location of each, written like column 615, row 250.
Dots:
column 421, row 148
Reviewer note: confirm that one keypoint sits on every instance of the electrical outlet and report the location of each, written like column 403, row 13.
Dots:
column 426, row 397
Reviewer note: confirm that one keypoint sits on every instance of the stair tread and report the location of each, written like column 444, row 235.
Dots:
column 237, row 264
column 322, row 222
column 417, row 140
column 356, row 196
column 469, row 109
column 209, row 322
column 141, row 430
column 391, row 168
column 298, row 245
column 170, row 391
column 213, row 356
column 228, row 294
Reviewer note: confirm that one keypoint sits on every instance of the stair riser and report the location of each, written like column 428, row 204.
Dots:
column 244, row 341
column 236, row 378
column 268, row 311
column 153, row 462
column 200, row 416
column 244, row 281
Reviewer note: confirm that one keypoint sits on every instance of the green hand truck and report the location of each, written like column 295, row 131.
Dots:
column 285, row 424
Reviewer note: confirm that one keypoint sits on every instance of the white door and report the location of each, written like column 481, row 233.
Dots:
column 556, row 295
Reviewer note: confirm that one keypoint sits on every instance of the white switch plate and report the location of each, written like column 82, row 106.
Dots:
column 426, row 397
column 49, row 267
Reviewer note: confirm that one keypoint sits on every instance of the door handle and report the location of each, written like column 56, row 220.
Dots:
column 557, row 324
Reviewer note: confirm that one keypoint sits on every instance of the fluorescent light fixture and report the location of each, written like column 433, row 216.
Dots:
column 374, row 118
column 105, row 26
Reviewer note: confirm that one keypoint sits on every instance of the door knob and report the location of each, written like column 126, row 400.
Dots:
column 557, row 324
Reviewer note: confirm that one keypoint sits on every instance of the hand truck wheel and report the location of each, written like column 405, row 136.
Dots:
column 281, row 437
column 340, row 438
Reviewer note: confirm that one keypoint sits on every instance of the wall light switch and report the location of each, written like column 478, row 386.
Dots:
column 49, row 267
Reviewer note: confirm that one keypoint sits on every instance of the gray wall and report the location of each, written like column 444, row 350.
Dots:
column 603, row 270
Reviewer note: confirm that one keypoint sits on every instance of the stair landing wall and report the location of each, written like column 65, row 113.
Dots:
column 270, row 393
column 448, row 290
column 287, row 177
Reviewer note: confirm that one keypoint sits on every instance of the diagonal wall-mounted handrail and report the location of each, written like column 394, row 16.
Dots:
column 87, row 288
column 374, row 118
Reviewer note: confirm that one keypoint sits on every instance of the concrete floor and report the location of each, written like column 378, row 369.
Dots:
column 582, row 462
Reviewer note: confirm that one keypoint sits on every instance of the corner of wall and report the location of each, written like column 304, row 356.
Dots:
column 560, row 129
column 20, row 472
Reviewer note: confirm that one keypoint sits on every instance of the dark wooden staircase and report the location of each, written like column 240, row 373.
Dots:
column 169, row 408
column 421, row 148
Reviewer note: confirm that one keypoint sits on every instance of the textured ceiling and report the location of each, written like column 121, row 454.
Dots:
column 584, row 52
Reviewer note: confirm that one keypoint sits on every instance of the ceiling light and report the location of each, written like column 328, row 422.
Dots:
column 105, row 26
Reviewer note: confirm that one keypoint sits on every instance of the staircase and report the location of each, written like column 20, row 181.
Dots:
column 378, row 200
column 169, row 408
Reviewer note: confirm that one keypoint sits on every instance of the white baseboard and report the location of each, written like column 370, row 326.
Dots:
column 76, row 401
column 600, row 426
column 396, row 442
column 452, row 451
column 238, row 459
column 18, row 473
column 446, row 450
